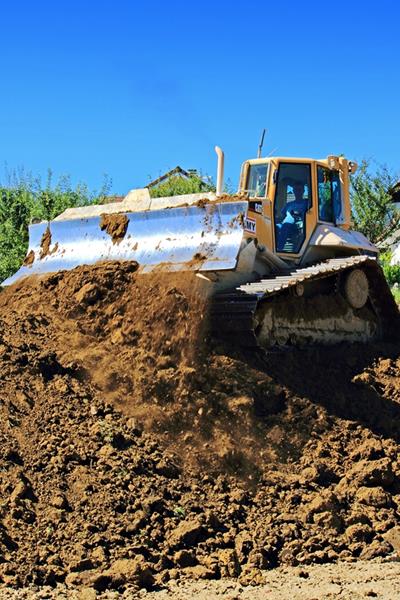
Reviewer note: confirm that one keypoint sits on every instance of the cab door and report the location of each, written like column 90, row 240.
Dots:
column 293, row 200
column 330, row 208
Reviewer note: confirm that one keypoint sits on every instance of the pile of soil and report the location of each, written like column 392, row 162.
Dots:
column 135, row 450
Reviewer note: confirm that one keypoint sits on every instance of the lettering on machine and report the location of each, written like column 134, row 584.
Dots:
column 250, row 225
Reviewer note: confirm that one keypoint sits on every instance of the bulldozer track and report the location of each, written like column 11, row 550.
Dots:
column 232, row 313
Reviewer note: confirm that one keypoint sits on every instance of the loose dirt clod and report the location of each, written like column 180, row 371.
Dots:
column 202, row 203
column 45, row 243
column 29, row 259
column 115, row 225
column 134, row 450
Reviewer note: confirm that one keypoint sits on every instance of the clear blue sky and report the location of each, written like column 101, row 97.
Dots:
column 132, row 89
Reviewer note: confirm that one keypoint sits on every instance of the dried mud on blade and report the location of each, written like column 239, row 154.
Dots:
column 190, row 238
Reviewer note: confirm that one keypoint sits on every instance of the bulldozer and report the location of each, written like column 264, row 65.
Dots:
column 279, row 259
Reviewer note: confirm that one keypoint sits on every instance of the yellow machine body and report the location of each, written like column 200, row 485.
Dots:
column 263, row 181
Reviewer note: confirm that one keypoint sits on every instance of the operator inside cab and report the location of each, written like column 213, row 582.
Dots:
column 290, row 214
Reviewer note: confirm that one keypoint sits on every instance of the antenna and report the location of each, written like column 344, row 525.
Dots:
column 260, row 145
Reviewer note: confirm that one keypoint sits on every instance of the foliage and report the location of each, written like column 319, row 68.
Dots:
column 23, row 200
column 373, row 211
column 178, row 185
column 15, row 209
column 396, row 294
column 392, row 272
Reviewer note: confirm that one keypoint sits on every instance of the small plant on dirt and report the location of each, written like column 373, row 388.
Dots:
column 49, row 530
column 179, row 511
column 122, row 473
column 107, row 432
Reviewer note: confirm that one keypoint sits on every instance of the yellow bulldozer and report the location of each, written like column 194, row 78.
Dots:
column 279, row 259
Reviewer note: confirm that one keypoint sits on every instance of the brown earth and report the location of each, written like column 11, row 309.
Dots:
column 135, row 451
column 45, row 243
column 345, row 580
column 45, row 248
column 29, row 259
column 115, row 225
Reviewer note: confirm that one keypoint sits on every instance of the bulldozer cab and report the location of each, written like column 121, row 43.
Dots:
column 289, row 197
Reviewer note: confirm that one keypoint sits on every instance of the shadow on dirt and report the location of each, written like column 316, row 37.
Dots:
column 354, row 382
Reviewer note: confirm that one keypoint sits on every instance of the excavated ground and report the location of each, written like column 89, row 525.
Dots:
column 134, row 452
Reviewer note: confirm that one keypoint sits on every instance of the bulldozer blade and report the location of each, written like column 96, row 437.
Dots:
column 192, row 238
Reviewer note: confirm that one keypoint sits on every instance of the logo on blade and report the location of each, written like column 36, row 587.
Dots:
column 250, row 225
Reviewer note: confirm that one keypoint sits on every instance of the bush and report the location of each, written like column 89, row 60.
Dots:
column 23, row 201
column 392, row 274
column 396, row 294
column 373, row 211
column 178, row 185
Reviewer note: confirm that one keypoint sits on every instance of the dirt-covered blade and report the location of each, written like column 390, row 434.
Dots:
column 196, row 238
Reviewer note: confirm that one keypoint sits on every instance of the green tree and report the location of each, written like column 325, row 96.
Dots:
column 373, row 211
column 178, row 185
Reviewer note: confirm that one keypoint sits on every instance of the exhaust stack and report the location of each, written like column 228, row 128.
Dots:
column 220, row 171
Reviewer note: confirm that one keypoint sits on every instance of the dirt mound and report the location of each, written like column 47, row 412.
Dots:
column 134, row 452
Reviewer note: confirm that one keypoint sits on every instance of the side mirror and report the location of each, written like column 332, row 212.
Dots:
column 353, row 166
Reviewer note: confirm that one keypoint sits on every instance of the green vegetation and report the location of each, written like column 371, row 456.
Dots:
column 23, row 200
column 373, row 211
column 375, row 215
column 392, row 274
column 178, row 185
column 396, row 294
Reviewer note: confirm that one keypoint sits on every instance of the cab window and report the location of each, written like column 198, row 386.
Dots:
column 329, row 197
column 337, row 197
column 257, row 181
column 292, row 201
